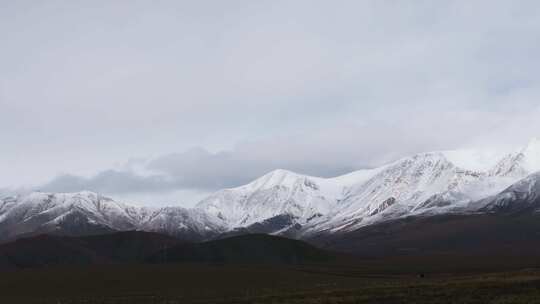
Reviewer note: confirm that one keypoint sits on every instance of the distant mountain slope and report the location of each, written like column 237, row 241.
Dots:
column 397, row 191
column 460, row 235
column 88, row 213
column 287, row 203
column 66, row 213
column 182, row 223
column 250, row 248
column 48, row 250
column 506, row 224
column 291, row 204
column 280, row 192
column 521, row 197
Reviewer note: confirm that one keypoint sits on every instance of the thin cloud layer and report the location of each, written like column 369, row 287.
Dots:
column 317, row 87
column 324, row 153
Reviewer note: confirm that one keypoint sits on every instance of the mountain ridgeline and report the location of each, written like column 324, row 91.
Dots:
column 424, row 186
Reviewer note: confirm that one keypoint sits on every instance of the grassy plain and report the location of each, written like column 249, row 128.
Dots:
column 378, row 281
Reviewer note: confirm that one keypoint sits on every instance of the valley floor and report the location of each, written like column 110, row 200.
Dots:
column 177, row 283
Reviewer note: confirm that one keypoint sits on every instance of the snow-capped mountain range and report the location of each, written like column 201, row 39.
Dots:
column 90, row 213
column 287, row 203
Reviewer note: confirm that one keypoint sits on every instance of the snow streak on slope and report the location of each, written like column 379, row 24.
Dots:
column 519, row 163
column 190, row 224
column 521, row 196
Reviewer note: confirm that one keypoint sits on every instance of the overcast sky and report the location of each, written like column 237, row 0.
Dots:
column 166, row 101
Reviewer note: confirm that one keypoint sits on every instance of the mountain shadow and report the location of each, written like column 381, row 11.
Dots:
column 246, row 249
column 136, row 247
column 497, row 234
column 52, row 250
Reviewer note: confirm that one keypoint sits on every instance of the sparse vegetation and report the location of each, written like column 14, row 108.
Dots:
column 176, row 283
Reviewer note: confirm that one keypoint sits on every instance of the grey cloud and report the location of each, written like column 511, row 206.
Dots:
column 198, row 168
column 194, row 169
column 318, row 87
column 109, row 181
column 323, row 152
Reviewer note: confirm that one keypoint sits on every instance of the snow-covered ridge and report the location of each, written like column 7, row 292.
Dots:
column 87, row 212
column 523, row 195
column 423, row 184
column 281, row 192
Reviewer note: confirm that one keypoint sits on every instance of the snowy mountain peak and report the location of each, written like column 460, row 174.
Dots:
column 424, row 161
column 279, row 177
column 531, row 156
column 532, row 146
column 520, row 163
column 406, row 181
column 278, row 193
